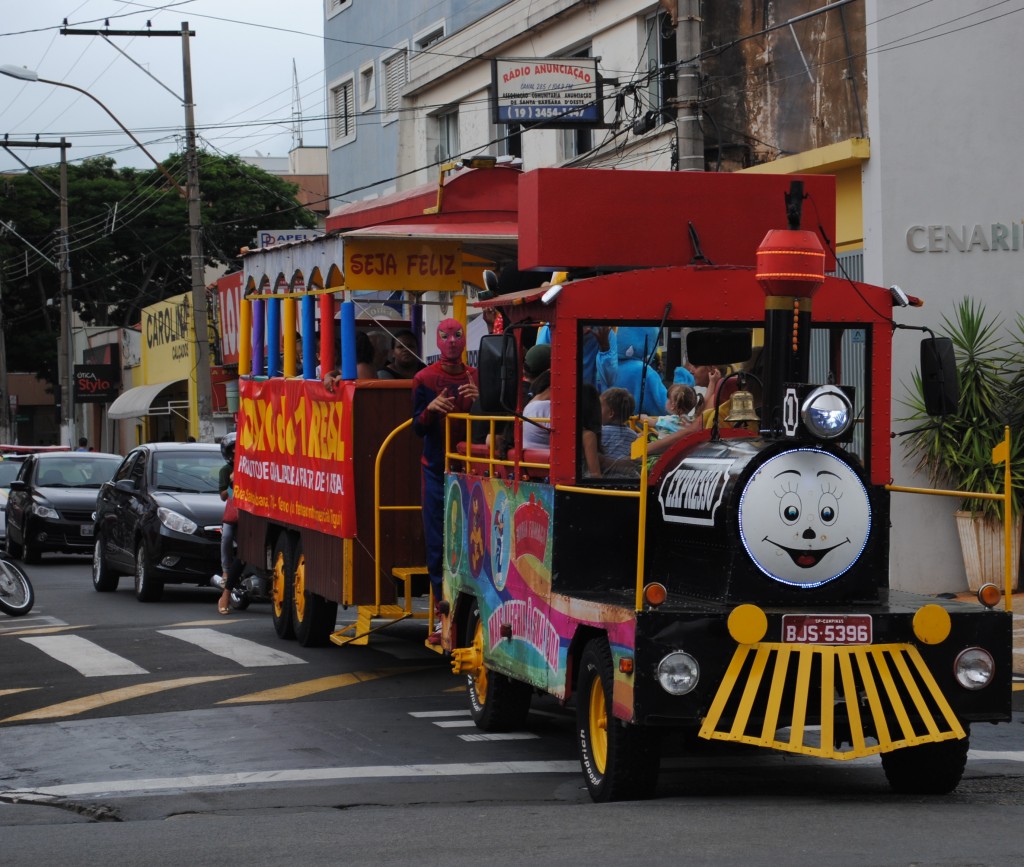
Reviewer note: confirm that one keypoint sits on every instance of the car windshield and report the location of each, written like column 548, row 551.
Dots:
column 8, row 472
column 87, row 471
column 188, row 472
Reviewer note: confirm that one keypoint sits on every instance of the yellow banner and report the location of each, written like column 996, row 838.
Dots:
column 411, row 266
column 167, row 338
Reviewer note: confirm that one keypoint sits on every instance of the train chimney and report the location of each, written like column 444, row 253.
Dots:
column 790, row 269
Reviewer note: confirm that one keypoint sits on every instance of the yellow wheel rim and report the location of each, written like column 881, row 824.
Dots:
column 300, row 588
column 598, row 725
column 479, row 675
column 278, row 586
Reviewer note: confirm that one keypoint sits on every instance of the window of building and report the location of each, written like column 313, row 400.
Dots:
column 447, row 136
column 367, row 86
column 425, row 38
column 394, row 75
column 343, row 111
column 660, row 52
column 508, row 140
column 333, row 7
column 580, row 139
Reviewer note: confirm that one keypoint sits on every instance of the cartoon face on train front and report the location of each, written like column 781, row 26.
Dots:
column 805, row 517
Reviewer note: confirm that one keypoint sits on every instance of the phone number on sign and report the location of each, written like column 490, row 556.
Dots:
column 519, row 113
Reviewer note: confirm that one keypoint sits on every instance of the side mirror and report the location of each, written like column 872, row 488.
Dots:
column 18, row 485
column 939, row 383
column 124, row 485
column 719, row 346
column 498, row 369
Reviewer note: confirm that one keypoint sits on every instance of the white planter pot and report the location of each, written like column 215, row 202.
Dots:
column 981, row 540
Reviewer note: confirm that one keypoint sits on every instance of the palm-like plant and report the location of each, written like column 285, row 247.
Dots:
column 955, row 450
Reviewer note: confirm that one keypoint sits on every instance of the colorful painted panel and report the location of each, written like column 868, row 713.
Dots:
column 498, row 543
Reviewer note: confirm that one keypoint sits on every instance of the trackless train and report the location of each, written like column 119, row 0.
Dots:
column 730, row 583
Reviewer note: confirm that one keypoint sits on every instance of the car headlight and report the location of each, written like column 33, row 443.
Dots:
column 678, row 673
column 174, row 521
column 827, row 412
column 974, row 668
column 45, row 511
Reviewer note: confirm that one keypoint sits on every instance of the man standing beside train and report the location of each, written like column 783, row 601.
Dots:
column 447, row 385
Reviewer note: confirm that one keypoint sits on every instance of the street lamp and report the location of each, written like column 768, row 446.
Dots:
column 199, row 306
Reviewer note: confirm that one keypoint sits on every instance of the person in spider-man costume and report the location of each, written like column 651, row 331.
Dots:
column 447, row 385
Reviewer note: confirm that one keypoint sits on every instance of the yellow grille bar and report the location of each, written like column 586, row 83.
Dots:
column 768, row 686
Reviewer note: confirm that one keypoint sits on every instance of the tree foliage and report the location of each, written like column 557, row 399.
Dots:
column 128, row 241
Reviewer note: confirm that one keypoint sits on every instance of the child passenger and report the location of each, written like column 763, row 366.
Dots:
column 681, row 405
column 616, row 435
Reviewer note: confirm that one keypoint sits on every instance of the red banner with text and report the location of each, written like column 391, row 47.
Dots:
column 294, row 461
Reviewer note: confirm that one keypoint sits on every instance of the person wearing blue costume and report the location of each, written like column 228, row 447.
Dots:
column 634, row 344
column 600, row 355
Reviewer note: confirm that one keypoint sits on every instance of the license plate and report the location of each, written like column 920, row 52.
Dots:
column 826, row 628
column 85, row 529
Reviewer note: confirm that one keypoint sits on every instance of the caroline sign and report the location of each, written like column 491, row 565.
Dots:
column 981, row 237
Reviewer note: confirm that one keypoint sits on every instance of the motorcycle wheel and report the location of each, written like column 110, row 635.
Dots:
column 16, row 594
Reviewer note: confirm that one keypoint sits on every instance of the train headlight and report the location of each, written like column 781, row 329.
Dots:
column 827, row 412
column 678, row 673
column 974, row 668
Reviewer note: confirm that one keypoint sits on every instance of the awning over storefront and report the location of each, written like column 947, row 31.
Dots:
column 493, row 239
column 138, row 401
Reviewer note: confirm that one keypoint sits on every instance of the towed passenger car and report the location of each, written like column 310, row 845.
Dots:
column 159, row 518
column 51, row 502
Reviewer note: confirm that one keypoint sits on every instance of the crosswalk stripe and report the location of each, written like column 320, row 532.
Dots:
column 102, row 699
column 84, row 656
column 499, row 736
column 246, row 653
column 31, row 624
column 431, row 714
column 454, row 723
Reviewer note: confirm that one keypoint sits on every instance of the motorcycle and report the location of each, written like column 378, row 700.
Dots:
column 16, row 594
column 252, row 587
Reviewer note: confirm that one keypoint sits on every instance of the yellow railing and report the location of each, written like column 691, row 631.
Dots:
column 491, row 461
column 1000, row 454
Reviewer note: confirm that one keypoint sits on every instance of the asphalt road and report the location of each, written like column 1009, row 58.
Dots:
column 164, row 733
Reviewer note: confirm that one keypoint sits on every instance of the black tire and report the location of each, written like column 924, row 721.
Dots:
column 239, row 599
column 281, row 588
column 620, row 761
column 12, row 548
column 147, row 588
column 929, row 769
column 16, row 594
column 29, row 553
column 496, row 702
column 103, row 580
column 314, row 616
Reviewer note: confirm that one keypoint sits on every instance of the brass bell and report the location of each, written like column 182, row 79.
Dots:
column 741, row 407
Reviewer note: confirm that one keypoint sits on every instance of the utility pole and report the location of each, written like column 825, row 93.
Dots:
column 689, row 136
column 202, row 426
column 204, row 389
column 65, row 347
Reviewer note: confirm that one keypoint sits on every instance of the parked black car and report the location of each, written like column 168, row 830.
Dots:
column 51, row 501
column 159, row 517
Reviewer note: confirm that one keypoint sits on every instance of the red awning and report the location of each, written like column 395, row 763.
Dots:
column 494, row 240
column 469, row 195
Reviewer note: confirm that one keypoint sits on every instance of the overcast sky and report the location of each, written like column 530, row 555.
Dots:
column 242, row 80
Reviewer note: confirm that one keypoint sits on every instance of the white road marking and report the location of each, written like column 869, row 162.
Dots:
column 246, row 653
column 455, row 724
column 84, row 656
column 30, row 623
column 249, row 778
column 499, row 736
column 432, row 714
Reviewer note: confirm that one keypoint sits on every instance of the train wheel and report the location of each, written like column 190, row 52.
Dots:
column 930, row 769
column 619, row 761
column 314, row 615
column 281, row 588
column 496, row 702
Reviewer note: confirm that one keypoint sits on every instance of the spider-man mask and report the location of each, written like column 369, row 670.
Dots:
column 451, row 339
